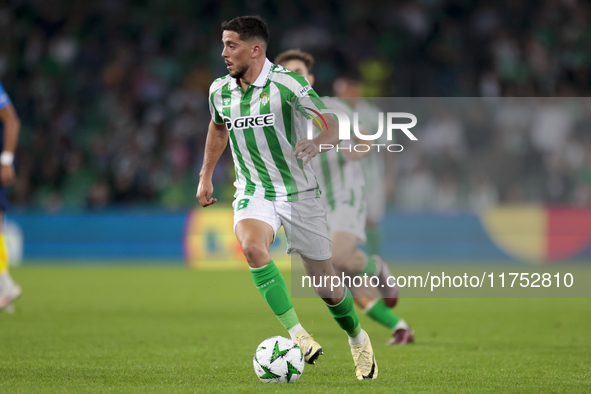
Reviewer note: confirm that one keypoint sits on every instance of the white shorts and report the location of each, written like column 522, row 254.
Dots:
column 348, row 219
column 304, row 222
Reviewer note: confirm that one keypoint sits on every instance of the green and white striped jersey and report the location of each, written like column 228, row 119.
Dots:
column 341, row 180
column 373, row 164
column 261, row 125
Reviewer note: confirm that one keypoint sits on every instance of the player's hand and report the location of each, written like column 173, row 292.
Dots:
column 204, row 192
column 305, row 150
column 7, row 175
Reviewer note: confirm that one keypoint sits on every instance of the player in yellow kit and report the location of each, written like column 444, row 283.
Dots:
column 9, row 129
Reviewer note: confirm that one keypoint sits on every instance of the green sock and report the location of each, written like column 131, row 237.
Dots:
column 373, row 239
column 370, row 267
column 382, row 314
column 272, row 287
column 345, row 315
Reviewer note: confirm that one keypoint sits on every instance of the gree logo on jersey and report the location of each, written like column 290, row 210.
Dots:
column 245, row 122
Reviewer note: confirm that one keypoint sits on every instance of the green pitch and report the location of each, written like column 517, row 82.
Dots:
column 157, row 329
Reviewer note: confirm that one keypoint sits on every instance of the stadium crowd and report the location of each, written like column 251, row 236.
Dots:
column 113, row 94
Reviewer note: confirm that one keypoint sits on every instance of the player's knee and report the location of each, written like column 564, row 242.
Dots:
column 256, row 253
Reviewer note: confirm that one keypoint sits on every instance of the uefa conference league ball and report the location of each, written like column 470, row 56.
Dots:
column 278, row 360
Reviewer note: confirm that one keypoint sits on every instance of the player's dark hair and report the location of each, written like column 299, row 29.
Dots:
column 248, row 27
column 296, row 54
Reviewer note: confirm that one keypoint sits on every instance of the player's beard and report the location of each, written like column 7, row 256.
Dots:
column 240, row 71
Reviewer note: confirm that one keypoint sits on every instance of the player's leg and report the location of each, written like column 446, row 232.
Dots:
column 345, row 255
column 349, row 258
column 374, row 237
column 255, row 238
column 9, row 291
column 376, row 206
column 376, row 309
column 367, row 298
column 307, row 234
column 256, row 224
column 347, row 232
column 376, row 266
column 339, row 301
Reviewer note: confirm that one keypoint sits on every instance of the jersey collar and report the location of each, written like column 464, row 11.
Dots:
column 261, row 79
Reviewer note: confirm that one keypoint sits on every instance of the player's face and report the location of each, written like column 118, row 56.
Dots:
column 298, row 66
column 236, row 54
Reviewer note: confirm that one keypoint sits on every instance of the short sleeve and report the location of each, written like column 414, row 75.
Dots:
column 215, row 115
column 306, row 96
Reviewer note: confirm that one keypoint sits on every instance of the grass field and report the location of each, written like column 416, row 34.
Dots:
column 159, row 329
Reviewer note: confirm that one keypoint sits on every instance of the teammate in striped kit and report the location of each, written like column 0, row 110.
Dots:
column 373, row 164
column 275, row 183
column 341, row 179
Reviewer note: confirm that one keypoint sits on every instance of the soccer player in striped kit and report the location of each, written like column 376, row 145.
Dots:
column 374, row 164
column 344, row 195
column 275, row 183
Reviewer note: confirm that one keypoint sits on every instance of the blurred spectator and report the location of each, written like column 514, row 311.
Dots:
column 113, row 94
column 446, row 198
column 99, row 195
column 416, row 190
column 443, row 135
column 482, row 193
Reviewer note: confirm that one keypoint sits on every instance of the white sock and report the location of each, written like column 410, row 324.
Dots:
column 401, row 325
column 370, row 305
column 358, row 339
column 294, row 330
column 6, row 280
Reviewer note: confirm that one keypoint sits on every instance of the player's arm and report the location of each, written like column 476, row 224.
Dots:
column 217, row 139
column 330, row 135
column 12, row 126
column 353, row 154
column 306, row 149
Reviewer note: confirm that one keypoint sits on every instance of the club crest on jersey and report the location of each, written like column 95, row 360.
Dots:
column 226, row 101
column 246, row 122
column 264, row 99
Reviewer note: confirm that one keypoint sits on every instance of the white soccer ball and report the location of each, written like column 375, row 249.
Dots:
column 278, row 360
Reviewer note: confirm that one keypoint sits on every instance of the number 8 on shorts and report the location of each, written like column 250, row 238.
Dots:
column 242, row 204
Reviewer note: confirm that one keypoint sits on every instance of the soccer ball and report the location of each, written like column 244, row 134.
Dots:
column 278, row 360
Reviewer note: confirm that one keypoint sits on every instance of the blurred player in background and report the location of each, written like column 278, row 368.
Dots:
column 373, row 164
column 9, row 129
column 343, row 193
column 275, row 183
